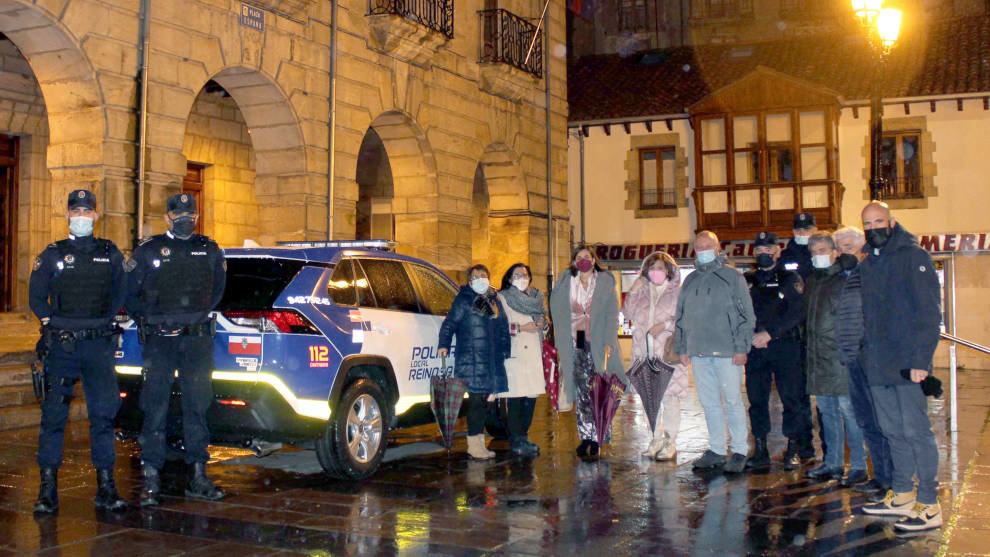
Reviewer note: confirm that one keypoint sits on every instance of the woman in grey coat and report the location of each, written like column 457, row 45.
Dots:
column 585, row 313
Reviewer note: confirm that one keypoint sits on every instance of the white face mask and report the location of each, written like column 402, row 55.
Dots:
column 521, row 283
column 801, row 240
column 821, row 261
column 81, row 226
column 479, row 285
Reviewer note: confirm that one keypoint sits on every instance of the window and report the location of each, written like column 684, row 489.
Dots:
column 436, row 292
column 634, row 15
column 705, row 9
column 341, row 285
column 255, row 283
column 657, row 177
column 900, row 164
column 391, row 286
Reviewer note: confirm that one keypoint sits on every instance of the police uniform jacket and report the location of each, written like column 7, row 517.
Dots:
column 796, row 257
column 78, row 283
column 778, row 301
column 172, row 281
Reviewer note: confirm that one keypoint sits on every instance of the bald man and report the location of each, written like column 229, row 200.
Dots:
column 901, row 330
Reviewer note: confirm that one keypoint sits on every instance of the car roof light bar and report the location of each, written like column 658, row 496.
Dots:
column 384, row 245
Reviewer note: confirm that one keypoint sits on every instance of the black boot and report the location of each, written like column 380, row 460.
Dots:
column 152, row 487
column 807, row 449
column 792, row 460
column 200, row 487
column 761, row 456
column 107, row 498
column 47, row 502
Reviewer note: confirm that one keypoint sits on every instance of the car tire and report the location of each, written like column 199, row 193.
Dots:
column 354, row 441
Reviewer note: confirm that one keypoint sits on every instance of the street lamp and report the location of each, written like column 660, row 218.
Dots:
column 882, row 27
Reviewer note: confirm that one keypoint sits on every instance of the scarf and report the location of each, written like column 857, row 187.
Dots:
column 529, row 302
column 485, row 304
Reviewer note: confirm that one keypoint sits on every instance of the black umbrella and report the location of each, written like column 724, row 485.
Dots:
column 650, row 376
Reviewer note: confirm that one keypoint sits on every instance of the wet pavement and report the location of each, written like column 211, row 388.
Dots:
column 423, row 502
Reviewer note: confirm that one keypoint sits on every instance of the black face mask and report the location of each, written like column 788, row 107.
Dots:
column 878, row 237
column 764, row 260
column 848, row 261
column 183, row 227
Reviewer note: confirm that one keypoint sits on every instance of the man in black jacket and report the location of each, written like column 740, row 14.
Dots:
column 901, row 329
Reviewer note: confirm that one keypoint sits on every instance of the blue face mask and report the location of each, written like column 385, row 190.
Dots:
column 81, row 226
column 706, row 256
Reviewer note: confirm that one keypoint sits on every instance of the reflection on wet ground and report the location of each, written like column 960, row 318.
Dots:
column 424, row 502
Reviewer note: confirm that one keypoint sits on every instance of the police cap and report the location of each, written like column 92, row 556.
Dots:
column 82, row 198
column 804, row 220
column 181, row 203
column 765, row 239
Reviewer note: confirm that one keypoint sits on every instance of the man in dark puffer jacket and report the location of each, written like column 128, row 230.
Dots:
column 901, row 324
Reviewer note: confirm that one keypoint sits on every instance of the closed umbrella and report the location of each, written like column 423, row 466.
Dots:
column 650, row 376
column 551, row 373
column 446, row 397
column 606, row 393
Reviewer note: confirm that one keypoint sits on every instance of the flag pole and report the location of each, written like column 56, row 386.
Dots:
column 532, row 43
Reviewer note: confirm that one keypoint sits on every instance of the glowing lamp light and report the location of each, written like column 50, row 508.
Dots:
column 866, row 10
column 888, row 26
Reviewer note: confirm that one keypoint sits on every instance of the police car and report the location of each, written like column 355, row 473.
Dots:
column 333, row 342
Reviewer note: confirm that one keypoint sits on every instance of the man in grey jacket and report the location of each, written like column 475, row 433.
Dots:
column 713, row 333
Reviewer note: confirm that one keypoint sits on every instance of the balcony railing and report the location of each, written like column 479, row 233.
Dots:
column 653, row 199
column 901, row 188
column 634, row 18
column 718, row 9
column 507, row 39
column 437, row 15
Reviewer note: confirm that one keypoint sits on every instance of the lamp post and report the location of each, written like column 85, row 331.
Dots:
column 882, row 27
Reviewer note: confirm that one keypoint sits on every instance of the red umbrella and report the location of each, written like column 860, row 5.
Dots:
column 606, row 393
column 551, row 373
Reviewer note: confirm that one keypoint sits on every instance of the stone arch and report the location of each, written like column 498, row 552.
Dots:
column 291, row 198
column 415, row 187
column 501, row 217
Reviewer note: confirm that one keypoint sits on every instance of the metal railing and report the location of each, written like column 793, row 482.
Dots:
column 654, row 199
column 437, row 15
column 717, row 9
column 507, row 38
column 634, row 18
column 901, row 188
column 953, row 370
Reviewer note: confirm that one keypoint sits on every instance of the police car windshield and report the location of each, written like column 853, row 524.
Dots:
column 254, row 284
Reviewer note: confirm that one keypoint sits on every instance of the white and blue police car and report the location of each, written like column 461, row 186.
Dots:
column 329, row 344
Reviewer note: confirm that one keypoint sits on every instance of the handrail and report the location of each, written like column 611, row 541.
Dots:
column 966, row 343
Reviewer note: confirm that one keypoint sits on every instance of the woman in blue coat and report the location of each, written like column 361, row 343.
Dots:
column 478, row 321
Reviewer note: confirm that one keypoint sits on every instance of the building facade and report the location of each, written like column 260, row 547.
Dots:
column 425, row 123
column 737, row 138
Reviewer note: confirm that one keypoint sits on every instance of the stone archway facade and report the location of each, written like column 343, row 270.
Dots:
column 437, row 108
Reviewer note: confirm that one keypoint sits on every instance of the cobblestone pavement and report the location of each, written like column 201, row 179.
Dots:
column 424, row 502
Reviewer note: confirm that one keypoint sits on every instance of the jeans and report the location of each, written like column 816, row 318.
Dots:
column 719, row 382
column 836, row 412
column 903, row 414
column 866, row 415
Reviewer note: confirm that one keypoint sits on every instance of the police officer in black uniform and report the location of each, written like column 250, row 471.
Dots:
column 796, row 256
column 174, row 280
column 77, row 287
column 778, row 301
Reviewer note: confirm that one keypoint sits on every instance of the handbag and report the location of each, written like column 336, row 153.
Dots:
column 669, row 355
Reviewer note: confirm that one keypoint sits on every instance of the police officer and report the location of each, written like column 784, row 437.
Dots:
column 796, row 256
column 174, row 280
column 77, row 287
column 778, row 301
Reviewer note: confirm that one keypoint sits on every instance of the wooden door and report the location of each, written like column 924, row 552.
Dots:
column 8, row 220
column 192, row 184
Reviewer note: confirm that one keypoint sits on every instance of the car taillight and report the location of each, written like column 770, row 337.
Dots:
column 272, row 321
column 122, row 316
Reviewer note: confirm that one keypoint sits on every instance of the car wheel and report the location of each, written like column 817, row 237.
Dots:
column 353, row 443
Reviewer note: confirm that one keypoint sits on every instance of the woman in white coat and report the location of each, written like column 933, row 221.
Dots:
column 524, row 369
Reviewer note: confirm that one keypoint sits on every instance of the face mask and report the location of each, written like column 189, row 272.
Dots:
column 764, row 260
column 521, row 283
column 81, row 226
column 479, row 285
column 801, row 240
column 848, row 261
column 706, row 256
column 821, row 261
column 877, row 237
column 584, row 265
column 183, row 227
column 657, row 276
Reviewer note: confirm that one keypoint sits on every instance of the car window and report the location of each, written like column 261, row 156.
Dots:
column 436, row 292
column 365, row 297
column 390, row 284
column 341, row 285
column 254, row 283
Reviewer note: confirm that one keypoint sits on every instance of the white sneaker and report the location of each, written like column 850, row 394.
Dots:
column 923, row 517
column 893, row 504
column 655, row 445
column 669, row 450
